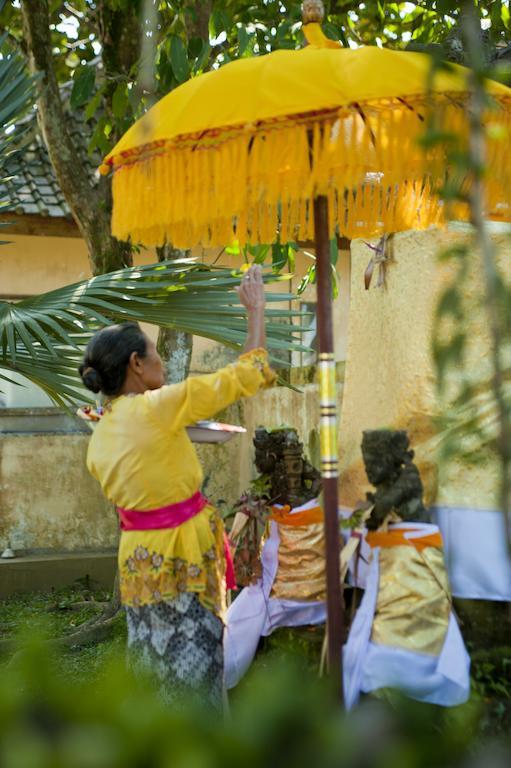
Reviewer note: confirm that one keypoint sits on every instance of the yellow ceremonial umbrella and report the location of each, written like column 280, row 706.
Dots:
column 308, row 144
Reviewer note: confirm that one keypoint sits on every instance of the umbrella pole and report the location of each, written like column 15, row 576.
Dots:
column 328, row 441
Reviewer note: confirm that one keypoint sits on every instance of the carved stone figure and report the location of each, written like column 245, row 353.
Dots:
column 279, row 456
column 287, row 478
column 389, row 467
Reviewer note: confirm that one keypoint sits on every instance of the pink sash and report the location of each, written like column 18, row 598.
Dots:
column 165, row 517
column 172, row 516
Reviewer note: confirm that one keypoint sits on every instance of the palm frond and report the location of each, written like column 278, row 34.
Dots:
column 16, row 86
column 16, row 96
column 43, row 337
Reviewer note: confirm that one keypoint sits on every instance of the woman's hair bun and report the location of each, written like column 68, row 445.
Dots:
column 107, row 357
column 91, row 378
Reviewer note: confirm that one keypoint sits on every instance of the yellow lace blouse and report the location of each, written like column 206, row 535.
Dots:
column 141, row 455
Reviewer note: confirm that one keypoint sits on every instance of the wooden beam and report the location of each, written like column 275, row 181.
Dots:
column 343, row 244
column 37, row 226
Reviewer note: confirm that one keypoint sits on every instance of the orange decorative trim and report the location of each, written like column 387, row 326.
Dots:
column 284, row 516
column 213, row 137
column 397, row 538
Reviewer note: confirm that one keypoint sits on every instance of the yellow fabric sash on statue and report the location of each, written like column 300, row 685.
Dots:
column 301, row 571
column 413, row 604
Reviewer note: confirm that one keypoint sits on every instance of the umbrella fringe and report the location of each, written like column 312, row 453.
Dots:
column 252, row 183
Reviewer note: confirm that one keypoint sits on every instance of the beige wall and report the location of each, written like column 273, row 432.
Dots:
column 49, row 502
column 32, row 265
column 391, row 378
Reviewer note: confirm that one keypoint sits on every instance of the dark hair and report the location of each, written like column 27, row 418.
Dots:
column 107, row 356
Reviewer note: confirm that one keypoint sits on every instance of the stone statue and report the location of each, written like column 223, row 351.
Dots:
column 389, row 467
column 285, row 477
column 279, row 456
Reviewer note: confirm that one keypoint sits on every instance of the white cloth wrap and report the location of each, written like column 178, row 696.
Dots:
column 254, row 613
column 476, row 552
column 443, row 679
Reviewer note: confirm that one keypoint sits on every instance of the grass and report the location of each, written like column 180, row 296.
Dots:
column 53, row 613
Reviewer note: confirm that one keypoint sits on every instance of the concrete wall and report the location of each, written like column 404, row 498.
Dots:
column 49, row 502
column 391, row 377
column 32, row 265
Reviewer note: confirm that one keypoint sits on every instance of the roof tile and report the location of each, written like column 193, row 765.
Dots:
column 32, row 187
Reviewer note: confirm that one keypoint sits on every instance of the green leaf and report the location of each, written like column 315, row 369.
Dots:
column 219, row 22
column 43, row 337
column 179, row 59
column 243, row 40
column 258, row 253
column 165, row 75
column 447, row 6
column 279, row 255
column 83, row 85
column 291, row 260
column 308, row 279
column 505, row 15
column 195, row 45
column 93, row 105
column 334, row 251
column 120, row 101
column 332, row 31
column 99, row 137
column 202, row 58
column 14, row 103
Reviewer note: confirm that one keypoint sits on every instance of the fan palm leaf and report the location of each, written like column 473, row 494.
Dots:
column 16, row 96
column 43, row 337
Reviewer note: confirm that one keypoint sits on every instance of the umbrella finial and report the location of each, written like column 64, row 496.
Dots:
column 313, row 11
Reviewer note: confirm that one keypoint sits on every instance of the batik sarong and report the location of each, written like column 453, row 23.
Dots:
column 180, row 643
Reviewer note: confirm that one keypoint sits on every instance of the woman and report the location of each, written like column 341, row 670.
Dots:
column 172, row 555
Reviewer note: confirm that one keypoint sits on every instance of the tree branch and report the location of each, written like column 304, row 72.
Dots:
column 175, row 347
column 471, row 31
column 71, row 173
column 87, row 204
column 197, row 21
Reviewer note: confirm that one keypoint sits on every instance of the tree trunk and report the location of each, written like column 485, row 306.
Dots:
column 197, row 19
column 175, row 347
column 89, row 204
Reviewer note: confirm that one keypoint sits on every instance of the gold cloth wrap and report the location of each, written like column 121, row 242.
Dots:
column 301, row 570
column 413, row 605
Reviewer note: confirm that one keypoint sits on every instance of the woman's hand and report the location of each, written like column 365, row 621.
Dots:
column 251, row 289
column 251, row 293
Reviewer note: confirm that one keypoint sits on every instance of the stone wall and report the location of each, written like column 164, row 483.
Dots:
column 48, row 500
column 50, row 503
